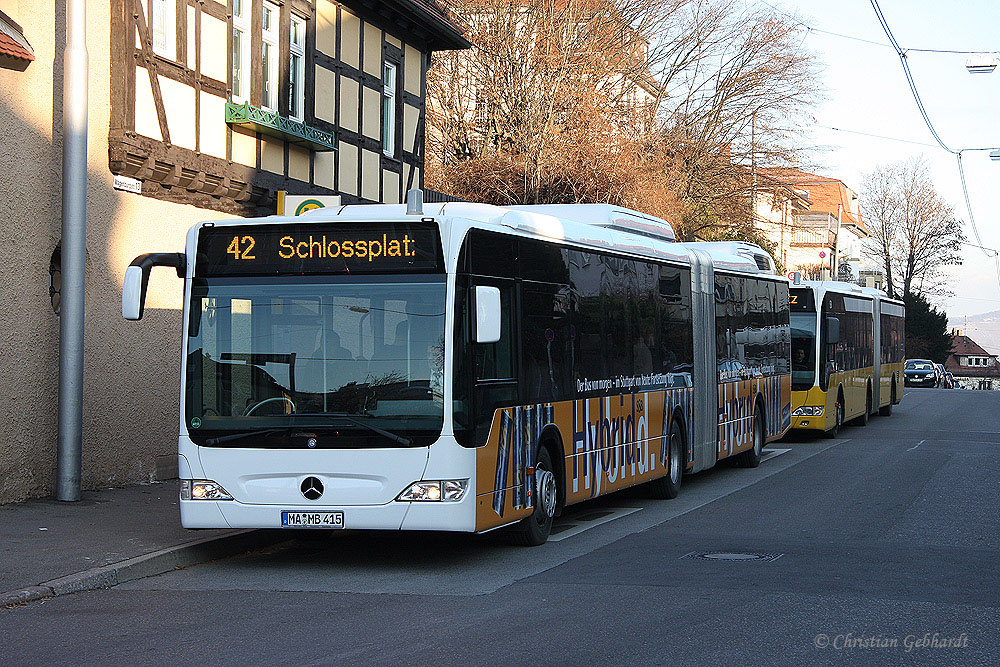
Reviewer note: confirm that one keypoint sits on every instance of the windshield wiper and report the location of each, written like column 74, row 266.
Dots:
column 405, row 442
column 211, row 442
column 263, row 432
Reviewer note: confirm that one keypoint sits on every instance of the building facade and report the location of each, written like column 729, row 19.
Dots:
column 824, row 239
column 197, row 109
column 972, row 366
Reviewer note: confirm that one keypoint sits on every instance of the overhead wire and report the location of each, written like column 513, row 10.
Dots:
column 855, row 38
column 901, row 53
column 927, row 120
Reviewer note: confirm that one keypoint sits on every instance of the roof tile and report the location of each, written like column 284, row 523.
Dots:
column 9, row 47
column 825, row 194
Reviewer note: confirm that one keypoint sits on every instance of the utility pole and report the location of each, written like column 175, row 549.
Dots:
column 753, row 166
column 836, row 242
column 74, row 251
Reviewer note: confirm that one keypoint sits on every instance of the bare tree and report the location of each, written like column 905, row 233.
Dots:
column 662, row 105
column 915, row 233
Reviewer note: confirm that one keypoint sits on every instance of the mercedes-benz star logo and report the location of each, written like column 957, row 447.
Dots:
column 311, row 488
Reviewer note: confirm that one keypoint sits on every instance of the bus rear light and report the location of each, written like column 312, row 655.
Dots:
column 203, row 489
column 808, row 411
column 448, row 490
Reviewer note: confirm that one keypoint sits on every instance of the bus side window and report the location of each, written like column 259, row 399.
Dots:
column 675, row 327
column 589, row 325
column 615, row 278
column 485, row 373
column 494, row 364
column 546, row 338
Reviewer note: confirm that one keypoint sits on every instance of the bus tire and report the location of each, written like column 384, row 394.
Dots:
column 751, row 457
column 534, row 530
column 886, row 410
column 862, row 419
column 839, row 423
column 669, row 485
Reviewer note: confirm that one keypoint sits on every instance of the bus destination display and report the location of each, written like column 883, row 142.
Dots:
column 801, row 300
column 318, row 248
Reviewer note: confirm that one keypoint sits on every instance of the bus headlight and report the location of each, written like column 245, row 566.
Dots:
column 808, row 411
column 446, row 490
column 203, row 489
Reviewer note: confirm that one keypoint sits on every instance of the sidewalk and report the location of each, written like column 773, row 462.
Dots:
column 107, row 537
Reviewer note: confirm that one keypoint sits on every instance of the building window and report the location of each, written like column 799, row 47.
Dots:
column 269, row 57
column 163, row 21
column 389, row 109
column 241, row 50
column 296, row 67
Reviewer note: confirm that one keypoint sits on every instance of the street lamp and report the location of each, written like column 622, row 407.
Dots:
column 982, row 63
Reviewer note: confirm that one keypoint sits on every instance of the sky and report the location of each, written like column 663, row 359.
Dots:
column 866, row 91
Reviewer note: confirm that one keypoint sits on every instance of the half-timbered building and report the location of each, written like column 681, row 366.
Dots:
column 197, row 109
column 221, row 105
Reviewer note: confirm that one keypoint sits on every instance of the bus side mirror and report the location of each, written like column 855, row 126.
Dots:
column 487, row 304
column 134, row 292
column 832, row 330
column 137, row 280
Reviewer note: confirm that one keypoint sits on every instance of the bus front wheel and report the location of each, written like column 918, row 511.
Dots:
column 839, row 423
column 534, row 530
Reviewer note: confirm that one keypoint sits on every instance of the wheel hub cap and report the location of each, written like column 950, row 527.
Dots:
column 545, row 481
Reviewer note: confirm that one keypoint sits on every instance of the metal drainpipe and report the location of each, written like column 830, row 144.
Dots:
column 74, row 251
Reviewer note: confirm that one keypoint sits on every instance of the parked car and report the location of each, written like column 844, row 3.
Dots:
column 949, row 380
column 941, row 373
column 919, row 373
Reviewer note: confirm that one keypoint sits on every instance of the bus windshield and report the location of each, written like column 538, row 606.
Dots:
column 334, row 356
column 803, row 350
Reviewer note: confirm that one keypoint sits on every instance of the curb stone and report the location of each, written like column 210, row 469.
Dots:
column 147, row 565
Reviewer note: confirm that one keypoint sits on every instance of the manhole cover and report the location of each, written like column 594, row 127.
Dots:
column 732, row 555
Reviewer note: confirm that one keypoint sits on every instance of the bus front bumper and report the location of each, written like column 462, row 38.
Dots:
column 444, row 516
column 804, row 423
column 809, row 410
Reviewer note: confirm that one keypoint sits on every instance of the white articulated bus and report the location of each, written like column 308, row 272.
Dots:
column 462, row 366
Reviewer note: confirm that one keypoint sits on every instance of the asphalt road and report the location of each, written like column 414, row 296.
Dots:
column 869, row 545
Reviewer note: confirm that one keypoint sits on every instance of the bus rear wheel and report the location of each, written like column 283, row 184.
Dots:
column 751, row 457
column 886, row 410
column 669, row 485
column 862, row 419
column 534, row 530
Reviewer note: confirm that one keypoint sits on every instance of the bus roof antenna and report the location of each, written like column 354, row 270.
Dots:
column 415, row 202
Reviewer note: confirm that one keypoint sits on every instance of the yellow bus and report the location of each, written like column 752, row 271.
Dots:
column 839, row 373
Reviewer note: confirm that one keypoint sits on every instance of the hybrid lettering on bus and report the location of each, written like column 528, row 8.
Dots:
column 474, row 367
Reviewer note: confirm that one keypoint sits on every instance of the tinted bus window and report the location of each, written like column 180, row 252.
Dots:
column 893, row 348
column 752, row 333
column 547, row 345
column 675, row 333
column 589, row 325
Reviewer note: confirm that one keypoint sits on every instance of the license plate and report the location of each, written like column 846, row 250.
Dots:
column 312, row 519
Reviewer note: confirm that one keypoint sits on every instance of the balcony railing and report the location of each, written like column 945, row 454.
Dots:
column 272, row 124
column 814, row 237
